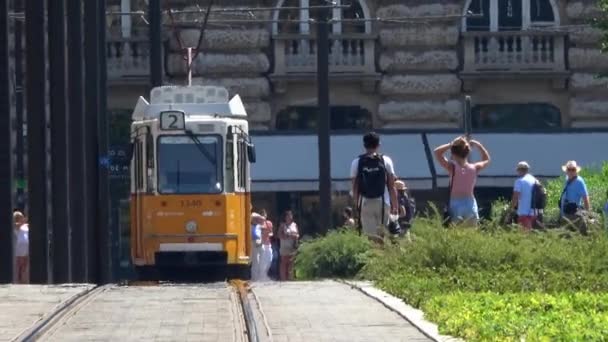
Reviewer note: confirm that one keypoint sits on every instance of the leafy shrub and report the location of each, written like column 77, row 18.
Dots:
column 447, row 260
column 341, row 253
column 521, row 316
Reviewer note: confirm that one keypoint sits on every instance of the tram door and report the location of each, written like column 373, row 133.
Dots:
column 237, row 183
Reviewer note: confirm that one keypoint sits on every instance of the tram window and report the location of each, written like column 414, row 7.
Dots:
column 187, row 168
column 230, row 164
column 242, row 164
column 139, row 175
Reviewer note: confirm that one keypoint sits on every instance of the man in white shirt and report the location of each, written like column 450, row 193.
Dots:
column 373, row 187
column 522, row 196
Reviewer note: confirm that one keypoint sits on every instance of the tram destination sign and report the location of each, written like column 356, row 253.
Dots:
column 173, row 120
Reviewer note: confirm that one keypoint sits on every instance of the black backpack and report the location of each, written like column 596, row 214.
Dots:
column 539, row 196
column 371, row 176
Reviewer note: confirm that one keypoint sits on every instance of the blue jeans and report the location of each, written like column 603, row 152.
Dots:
column 464, row 209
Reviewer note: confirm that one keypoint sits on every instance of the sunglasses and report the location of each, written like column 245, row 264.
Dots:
column 571, row 169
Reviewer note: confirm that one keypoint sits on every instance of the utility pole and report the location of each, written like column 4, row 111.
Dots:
column 36, row 132
column 324, row 120
column 60, row 248
column 104, row 221
column 156, row 64
column 6, row 167
column 76, row 141
column 91, row 52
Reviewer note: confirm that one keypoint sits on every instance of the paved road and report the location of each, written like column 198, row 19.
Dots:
column 294, row 311
column 207, row 312
column 22, row 305
column 327, row 311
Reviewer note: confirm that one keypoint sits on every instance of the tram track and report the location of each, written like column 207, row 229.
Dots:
column 242, row 299
column 59, row 314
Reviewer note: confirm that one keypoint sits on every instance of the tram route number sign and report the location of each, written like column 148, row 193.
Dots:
column 172, row 121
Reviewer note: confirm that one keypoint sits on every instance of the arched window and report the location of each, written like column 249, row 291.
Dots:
column 358, row 10
column 510, row 15
column 306, row 118
column 516, row 117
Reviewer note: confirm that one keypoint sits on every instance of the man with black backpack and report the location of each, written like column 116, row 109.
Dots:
column 529, row 197
column 373, row 187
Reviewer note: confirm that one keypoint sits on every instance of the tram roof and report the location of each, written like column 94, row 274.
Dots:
column 192, row 100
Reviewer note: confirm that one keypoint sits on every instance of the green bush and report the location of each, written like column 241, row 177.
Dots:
column 341, row 253
column 445, row 260
column 522, row 316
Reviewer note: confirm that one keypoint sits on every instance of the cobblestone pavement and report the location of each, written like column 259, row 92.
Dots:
column 22, row 305
column 208, row 312
column 327, row 311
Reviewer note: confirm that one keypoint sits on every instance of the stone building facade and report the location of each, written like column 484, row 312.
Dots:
column 395, row 65
column 528, row 64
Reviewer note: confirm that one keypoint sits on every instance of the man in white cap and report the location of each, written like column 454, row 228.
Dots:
column 575, row 195
column 523, row 196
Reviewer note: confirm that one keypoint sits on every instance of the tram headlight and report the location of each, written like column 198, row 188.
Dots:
column 191, row 227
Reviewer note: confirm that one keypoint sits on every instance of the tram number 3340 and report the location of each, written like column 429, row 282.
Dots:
column 191, row 203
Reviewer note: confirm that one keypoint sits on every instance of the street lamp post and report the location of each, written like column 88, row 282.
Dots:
column 324, row 120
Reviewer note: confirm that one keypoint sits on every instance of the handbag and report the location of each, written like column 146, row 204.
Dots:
column 447, row 218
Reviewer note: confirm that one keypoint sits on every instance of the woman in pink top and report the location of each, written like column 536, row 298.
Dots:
column 463, row 206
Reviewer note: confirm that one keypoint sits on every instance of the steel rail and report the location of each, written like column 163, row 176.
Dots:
column 58, row 314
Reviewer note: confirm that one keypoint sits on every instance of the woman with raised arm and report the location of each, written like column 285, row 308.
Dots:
column 463, row 174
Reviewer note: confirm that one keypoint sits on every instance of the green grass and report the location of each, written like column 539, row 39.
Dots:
column 521, row 316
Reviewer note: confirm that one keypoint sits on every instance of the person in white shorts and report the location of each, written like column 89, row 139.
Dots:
column 22, row 248
column 373, row 187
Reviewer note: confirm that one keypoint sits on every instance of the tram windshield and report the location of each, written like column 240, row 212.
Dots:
column 187, row 167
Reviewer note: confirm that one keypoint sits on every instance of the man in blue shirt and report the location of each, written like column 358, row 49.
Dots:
column 574, row 196
column 575, row 190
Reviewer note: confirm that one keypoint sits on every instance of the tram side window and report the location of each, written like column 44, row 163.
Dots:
column 242, row 163
column 150, row 162
column 230, row 164
column 139, row 174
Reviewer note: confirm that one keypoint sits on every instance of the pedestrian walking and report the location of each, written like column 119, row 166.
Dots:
column 525, row 194
column 347, row 218
column 574, row 198
column 407, row 208
column 373, row 188
column 462, row 205
column 289, row 235
column 22, row 248
column 257, row 221
column 265, row 249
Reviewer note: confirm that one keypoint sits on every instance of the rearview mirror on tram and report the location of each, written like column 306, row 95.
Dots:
column 251, row 152
column 173, row 120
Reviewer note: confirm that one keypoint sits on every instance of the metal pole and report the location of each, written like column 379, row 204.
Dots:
column 76, row 142
column 188, row 65
column 91, row 45
column 324, row 120
column 467, row 119
column 156, row 66
column 6, row 167
column 36, row 133
column 60, row 248
column 104, row 221
column 19, row 119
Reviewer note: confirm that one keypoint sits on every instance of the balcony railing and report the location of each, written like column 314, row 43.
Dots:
column 348, row 54
column 128, row 58
column 520, row 51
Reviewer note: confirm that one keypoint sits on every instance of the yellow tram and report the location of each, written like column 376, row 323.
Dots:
column 190, row 180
